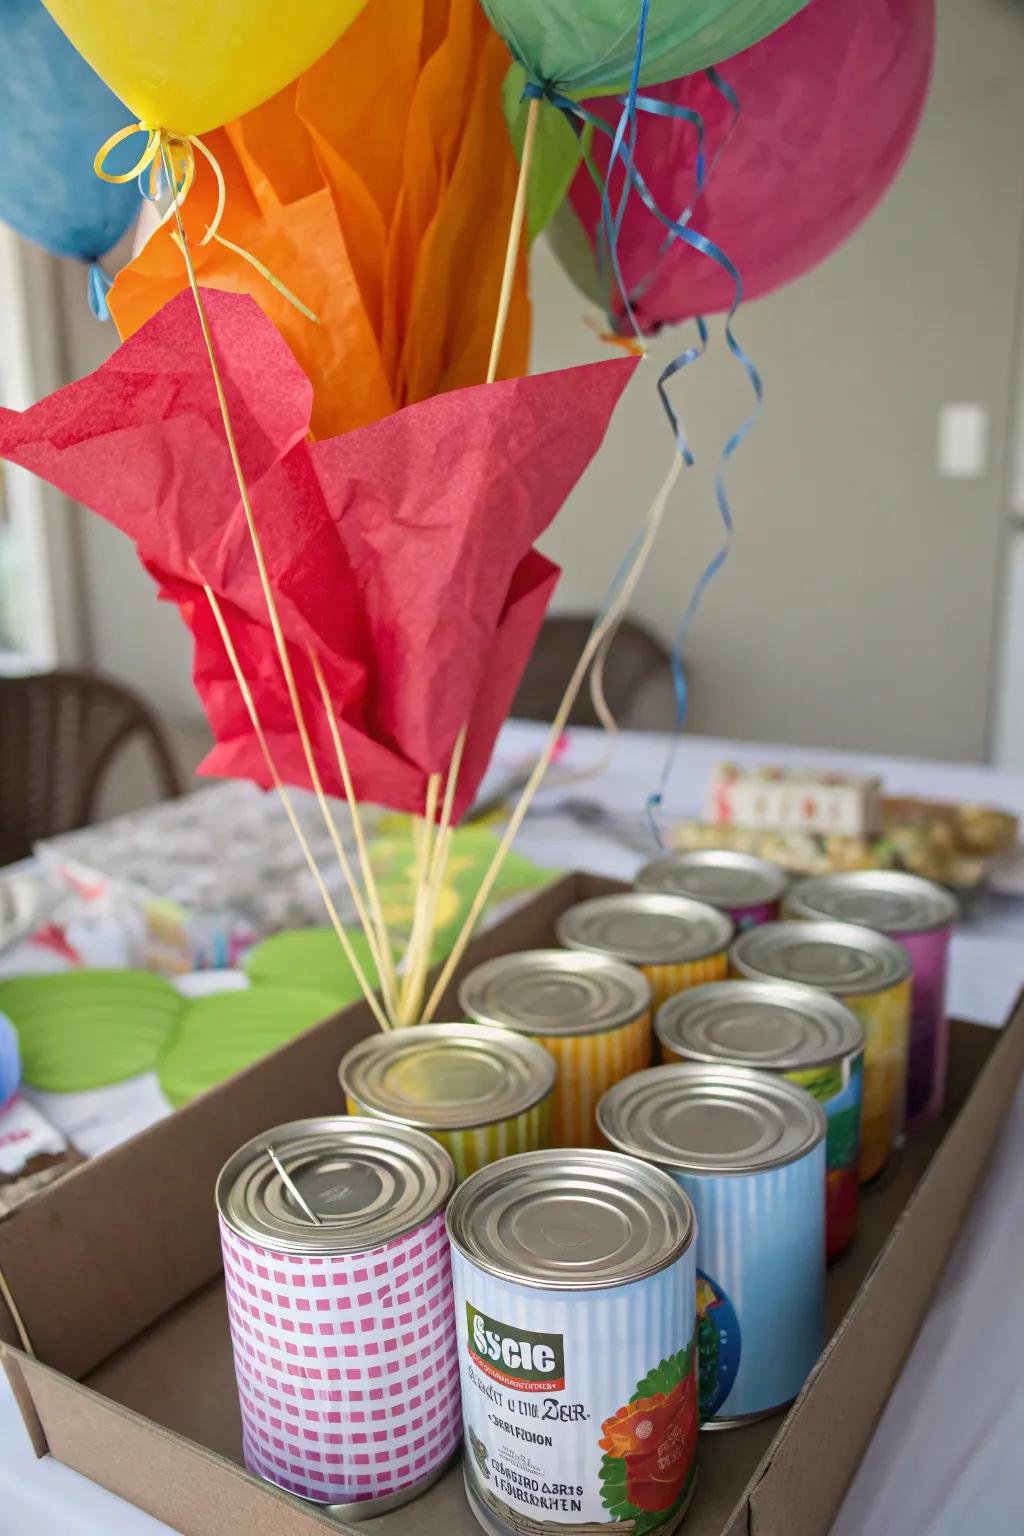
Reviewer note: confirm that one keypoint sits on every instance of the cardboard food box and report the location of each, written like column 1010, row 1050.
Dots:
column 134, row 1385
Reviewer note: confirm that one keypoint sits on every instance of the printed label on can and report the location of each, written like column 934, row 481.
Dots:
column 564, row 1433
column 838, row 1088
column 718, row 1345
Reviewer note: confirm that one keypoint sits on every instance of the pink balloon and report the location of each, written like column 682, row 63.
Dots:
column 829, row 106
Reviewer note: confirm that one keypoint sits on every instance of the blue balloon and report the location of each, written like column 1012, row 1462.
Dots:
column 54, row 115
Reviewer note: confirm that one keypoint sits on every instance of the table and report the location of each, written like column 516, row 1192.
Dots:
column 945, row 1457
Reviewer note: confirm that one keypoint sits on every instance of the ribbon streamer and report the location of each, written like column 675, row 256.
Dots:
column 178, row 152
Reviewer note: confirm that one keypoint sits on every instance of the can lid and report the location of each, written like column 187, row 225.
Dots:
column 718, row 876
column 575, row 1219
column 333, row 1185
column 711, row 1119
column 775, row 1025
column 646, row 928
column 886, row 899
column 447, row 1077
column 843, row 958
column 555, row 992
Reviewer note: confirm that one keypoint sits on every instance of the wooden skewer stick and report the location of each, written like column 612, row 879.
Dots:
column 257, row 547
column 386, row 969
column 515, row 235
column 285, row 798
column 435, row 877
column 608, row 624
column 425, row 845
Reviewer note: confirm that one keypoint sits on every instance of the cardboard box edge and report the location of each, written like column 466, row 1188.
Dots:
column 1010, row 1040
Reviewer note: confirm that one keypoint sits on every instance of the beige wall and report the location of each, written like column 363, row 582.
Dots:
column 857, row 607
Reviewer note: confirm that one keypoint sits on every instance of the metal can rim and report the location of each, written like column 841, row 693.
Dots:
column 799, row 899
column 538, row 1061
column 595, row 960
column 680, row 906
column 640, row 1169
column 853, row 935
column 814, row 997
column 774, row 875
column 748, row 1076
column 327, row 1240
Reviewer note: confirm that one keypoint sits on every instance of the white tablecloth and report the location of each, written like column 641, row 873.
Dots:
column 946, row 1458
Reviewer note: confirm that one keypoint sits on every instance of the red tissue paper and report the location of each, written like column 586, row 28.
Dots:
column 400, row 553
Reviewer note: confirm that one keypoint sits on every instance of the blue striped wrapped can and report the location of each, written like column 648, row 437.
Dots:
column 749, row 1151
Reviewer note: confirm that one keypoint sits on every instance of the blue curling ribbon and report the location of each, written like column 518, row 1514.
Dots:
column 100, row 284
column 677, row 229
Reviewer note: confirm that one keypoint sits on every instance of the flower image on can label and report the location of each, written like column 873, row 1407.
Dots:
column 676, row 942
column 804, row 1035
column 868, row 972
column 338, row 1278
column 749, row 1150
column 920, row 916
column 554, row 1255
column 482, row 1093
column 747, row 889
column 592, row 1013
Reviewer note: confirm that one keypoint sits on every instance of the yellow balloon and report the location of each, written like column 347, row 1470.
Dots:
column 190, row 65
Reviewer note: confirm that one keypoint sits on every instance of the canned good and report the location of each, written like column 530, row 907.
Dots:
column 871, row 975
column 676, row 942
column 747, row 889
column 749, row 1150
column 803, row 1034
column 482, row 1093
column 338, row 1281
column 593, row 1014
column 554, row 1256
column 920, row 915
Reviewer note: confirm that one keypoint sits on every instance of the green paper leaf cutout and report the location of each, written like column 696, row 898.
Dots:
column 88, row 1029
column 312, row 960
column 557, row 152
column 575, row 251
column 220, row 1035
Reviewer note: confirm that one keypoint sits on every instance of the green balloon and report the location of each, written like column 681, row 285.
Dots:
column 88, row 1029
column 220, row 1035
column 586, row 47
column 557, row 152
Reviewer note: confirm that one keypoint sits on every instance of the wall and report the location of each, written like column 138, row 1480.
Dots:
column 857, row 607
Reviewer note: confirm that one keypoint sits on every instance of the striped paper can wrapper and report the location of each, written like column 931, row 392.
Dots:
column 564, row 1433
column 480, row 1092
column 473, row 1149
column 591, row 1013
column 346, row 1362
column 748, row 1149
column 588, row 1065
column 667, row 980
column 886, row 1020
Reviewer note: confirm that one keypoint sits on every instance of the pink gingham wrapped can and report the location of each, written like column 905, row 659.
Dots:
column 338, row 1277
column 921, row 916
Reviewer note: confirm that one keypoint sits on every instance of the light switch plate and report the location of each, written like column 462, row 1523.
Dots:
column 962, row 451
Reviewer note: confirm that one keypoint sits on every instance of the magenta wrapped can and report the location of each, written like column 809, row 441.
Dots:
column 921, row 916
column 746, row 888
column 338, row 1278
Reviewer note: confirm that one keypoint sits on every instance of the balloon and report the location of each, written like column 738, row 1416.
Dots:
column 190, row 65
column 829, row 106
column 55, row 112
column 586, row 47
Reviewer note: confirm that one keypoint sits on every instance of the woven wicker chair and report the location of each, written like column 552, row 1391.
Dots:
column 59, row 734
column 635, row 663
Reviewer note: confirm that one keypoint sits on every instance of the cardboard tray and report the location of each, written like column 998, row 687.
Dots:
column 116, row 1273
